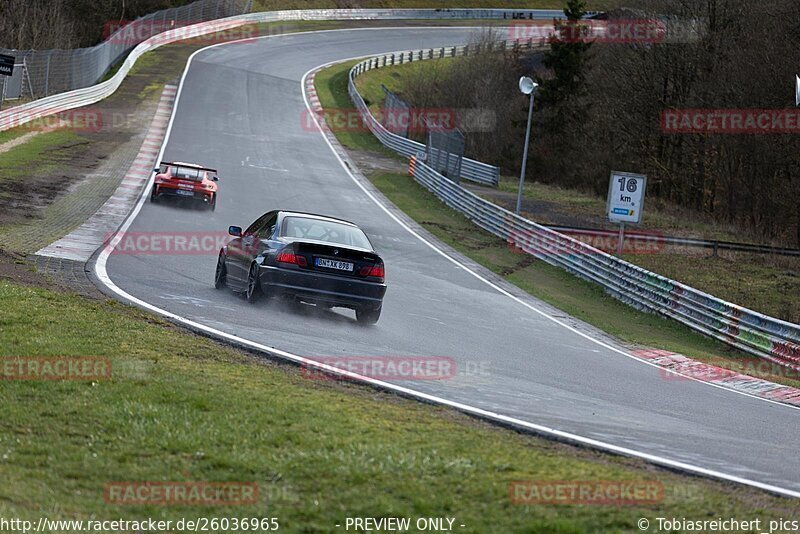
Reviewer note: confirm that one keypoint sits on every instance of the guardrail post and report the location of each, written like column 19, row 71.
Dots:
column 47, row 75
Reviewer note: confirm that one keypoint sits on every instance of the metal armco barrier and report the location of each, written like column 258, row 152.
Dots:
column 49, row 72
column 680, row 241
column 49, row 105
column 763, row 336
column 474, row 171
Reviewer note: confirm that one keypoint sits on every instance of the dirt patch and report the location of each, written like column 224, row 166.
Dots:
column 64, row 165
column 14, row 268
column 370, row 162
column 8, row 145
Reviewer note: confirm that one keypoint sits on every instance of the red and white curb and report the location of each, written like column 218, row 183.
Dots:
column 80, row 244
column 727, row 378
column 669, row 361
column 311, row 92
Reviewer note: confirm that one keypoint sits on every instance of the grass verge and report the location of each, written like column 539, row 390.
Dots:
column 765, row 283
column 183, row 408
column 40, row 154
column 577, row 297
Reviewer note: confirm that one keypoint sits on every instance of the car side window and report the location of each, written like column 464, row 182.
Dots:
column 255, row 228
column 268, row 229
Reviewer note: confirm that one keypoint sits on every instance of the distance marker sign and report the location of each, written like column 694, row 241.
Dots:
column 626, row 197
column 6, row 65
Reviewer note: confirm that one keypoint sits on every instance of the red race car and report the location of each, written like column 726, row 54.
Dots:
column 185, row 180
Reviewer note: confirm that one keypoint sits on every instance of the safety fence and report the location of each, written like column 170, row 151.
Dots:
column 472, row 170
column 83, row 96
column 769, row 338
column 41, row 73
column 47, row 72
column 763, row 336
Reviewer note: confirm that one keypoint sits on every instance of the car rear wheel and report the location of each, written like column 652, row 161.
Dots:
column 213, row 203
column 221, row 273
column 253, row 287
column 154, row 195
column 368, row 315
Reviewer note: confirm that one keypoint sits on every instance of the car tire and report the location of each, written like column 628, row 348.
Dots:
column 368, row 315
column 213, row 204
column 154, row 195
column 253, row 290
column 221, row 272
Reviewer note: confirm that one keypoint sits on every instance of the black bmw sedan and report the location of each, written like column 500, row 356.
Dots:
column 311, row 258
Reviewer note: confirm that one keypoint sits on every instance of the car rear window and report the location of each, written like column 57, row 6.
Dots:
column 327, row 231
column 187, row 173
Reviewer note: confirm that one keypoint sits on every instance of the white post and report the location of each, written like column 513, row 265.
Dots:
column 620, row 239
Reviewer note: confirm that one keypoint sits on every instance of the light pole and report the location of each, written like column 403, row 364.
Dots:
column 796, row 90
column 527, row 86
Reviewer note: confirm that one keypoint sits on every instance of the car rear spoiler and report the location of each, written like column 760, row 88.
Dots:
column 188, row 166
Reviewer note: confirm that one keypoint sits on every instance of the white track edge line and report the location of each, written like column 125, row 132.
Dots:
column 503, row 291
column 104, row 278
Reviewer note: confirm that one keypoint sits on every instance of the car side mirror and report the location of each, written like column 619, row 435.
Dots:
column 215, row 178
column 156, row 169
column 235, row 231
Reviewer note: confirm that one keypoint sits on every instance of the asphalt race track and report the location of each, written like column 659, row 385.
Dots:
column 241, row 110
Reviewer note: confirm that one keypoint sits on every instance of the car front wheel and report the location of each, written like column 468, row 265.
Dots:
column 221, row 273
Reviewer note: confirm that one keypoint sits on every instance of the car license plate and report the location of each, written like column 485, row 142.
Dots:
column 334, row 264
column 186, row 193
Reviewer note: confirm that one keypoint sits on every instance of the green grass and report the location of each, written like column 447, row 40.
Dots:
column 766, row 284
column 10, row 135
column 394, row 78
column 577, row 297
column 39, row 154
column 182, row 408
column 331, row 87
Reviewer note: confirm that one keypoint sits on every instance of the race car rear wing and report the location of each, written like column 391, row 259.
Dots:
column 165, row 164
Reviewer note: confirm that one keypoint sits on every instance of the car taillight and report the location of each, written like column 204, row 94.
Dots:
column 290, row 257
column 375, row 270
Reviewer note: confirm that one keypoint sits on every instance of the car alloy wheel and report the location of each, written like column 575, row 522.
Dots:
column 221, row 273
column 253, row 289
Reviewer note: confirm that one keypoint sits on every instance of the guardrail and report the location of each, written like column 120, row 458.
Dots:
column 681, row 241
column 22, row 114
column 766, row 337
column 42, row 73
column 472, row 170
